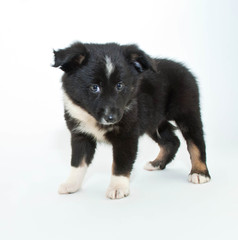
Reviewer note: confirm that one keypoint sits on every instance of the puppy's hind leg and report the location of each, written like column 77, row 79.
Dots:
column 168, row 143
column 191, row 128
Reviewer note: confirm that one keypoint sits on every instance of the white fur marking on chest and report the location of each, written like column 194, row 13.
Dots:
column 87, row 123
column 109, row 66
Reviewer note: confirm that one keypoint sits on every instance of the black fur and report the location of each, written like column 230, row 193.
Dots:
column 141, row 96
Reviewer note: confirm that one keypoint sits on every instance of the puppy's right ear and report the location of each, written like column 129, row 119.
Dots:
column 71, row 58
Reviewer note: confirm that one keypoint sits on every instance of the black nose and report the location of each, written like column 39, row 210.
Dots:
column 111, row 118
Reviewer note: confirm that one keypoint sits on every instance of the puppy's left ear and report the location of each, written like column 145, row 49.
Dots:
column 138, row 59
column 71, row 58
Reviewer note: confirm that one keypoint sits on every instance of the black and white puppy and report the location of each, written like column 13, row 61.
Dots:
column 114, row 94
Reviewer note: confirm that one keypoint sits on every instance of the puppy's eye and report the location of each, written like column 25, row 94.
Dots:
column 95, row 88
column 120, row 86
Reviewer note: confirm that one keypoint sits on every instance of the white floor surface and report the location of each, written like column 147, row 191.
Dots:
column 162, row 204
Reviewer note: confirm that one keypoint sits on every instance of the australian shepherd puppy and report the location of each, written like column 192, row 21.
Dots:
column 114, row 94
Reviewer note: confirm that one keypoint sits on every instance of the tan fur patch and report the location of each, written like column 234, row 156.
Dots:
column 161, row 154
column 80, row 59
column 83, row 163
column 159, row 162
column 197, row 164
column 134, row 57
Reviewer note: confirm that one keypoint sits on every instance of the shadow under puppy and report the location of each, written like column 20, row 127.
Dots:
column 114, row 94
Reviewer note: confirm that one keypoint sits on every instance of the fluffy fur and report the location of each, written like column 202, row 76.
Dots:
column 115, row 93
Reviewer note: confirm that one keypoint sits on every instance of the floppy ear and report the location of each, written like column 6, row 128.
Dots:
column 71, row 58
column 137, row 58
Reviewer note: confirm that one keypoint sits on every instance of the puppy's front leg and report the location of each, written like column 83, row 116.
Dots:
column 83, row 149
column 124, row 154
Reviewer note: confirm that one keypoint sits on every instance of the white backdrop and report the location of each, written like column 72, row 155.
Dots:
column 34, row 142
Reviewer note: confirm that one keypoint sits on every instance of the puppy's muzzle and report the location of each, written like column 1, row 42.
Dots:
column 110, row 117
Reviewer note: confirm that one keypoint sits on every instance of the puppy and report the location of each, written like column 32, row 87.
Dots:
column 114, row 94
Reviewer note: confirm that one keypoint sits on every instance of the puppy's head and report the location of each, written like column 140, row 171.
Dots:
column 102, row 79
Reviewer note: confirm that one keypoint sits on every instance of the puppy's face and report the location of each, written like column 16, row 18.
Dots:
column 102, row 79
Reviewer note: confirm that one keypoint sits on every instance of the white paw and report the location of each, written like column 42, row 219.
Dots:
column 117, row 193
column 149, row 167
column 69, row 187
column 198, row 178
column 74, row 181
column 118, row 188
